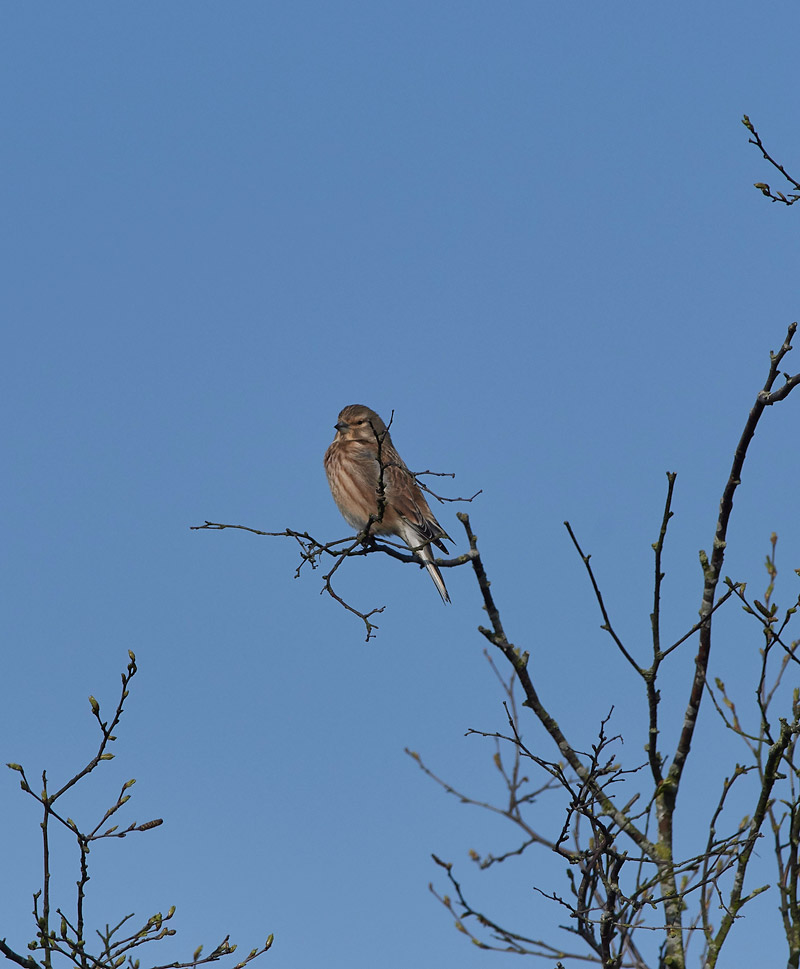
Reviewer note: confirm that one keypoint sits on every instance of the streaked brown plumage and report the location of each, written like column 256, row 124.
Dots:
column 354, row 474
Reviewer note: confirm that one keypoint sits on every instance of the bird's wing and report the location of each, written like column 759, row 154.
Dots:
column 405, row 496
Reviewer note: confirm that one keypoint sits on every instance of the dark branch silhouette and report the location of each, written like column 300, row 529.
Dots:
column 763, row 187
column 62, row 933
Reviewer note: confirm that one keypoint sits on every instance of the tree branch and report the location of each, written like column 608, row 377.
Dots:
column 762, row 186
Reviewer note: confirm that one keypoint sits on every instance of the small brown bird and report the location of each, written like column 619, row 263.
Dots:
column 354, row 474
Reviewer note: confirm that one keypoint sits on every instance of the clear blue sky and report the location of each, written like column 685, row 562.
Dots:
column 530, row 230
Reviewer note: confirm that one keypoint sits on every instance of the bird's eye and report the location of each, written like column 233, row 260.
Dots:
column 359, row 422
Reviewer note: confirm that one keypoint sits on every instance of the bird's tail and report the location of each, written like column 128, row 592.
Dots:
column 419, row 543
column 436, row 575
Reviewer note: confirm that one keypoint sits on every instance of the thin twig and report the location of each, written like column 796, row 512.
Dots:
column 762, row 186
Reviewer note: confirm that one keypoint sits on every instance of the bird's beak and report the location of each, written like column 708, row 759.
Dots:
column 341, row 426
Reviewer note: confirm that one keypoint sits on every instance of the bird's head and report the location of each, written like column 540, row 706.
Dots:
column 358, row 423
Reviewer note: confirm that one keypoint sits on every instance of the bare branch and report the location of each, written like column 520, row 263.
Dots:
column 67, row 935
column 712, row 568
column 598, row 595
column 762, row 186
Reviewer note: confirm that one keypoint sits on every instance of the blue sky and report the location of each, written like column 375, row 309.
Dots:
column 530, row 230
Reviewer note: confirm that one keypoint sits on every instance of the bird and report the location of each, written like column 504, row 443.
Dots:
column 361, row 459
